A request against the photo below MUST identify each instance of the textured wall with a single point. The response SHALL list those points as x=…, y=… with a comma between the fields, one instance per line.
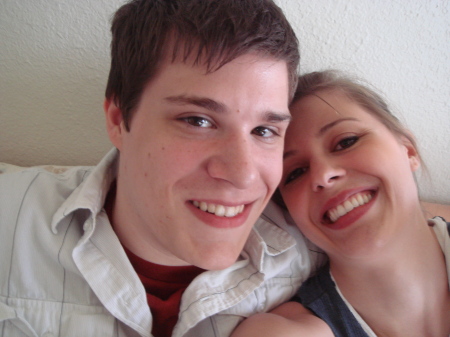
x=54, y=63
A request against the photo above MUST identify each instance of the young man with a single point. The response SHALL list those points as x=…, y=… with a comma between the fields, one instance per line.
x=158, y=238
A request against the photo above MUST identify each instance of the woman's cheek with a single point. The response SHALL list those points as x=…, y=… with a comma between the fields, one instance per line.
x=297, y=205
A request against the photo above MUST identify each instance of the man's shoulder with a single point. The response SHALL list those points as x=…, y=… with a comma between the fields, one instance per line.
x=40, y=183
x=309, y=256
x=29, y=198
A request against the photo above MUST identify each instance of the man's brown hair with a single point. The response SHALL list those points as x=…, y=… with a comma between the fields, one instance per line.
x=213, y=32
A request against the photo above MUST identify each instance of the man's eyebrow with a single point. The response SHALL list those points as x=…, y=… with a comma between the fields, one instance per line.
x=202, y=102
x=212, y=105
x=277, y=117
x=322, y=130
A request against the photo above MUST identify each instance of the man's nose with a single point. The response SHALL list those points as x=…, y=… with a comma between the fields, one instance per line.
x=235, y=161
x=325, y=174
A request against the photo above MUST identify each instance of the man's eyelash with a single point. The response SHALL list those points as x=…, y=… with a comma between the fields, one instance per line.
x=197, y=121
x=262, y=130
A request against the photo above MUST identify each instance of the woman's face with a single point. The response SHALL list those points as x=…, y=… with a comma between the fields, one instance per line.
x=347, y=180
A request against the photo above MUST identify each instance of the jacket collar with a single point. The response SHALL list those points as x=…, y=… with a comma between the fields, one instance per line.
x=91, y=193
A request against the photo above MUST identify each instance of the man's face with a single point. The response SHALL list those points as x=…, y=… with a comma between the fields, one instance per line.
x=201, y=160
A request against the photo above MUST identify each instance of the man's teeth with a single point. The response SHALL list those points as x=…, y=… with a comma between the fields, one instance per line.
x=219, y=210
x=350, y=204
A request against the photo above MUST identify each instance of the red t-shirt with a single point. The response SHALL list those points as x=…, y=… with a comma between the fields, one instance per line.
x=164, y=286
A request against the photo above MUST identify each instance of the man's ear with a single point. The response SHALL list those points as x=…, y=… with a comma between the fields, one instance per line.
x=114, y=122
x=413, y=154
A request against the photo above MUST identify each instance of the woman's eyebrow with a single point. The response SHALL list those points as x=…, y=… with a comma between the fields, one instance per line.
x=288, y=154
x=326, y=127
x=322, y=130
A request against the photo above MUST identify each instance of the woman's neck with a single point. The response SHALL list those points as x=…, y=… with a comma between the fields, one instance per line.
x=406, y=281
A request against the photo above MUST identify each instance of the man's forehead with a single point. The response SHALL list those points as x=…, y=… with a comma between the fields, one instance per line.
x=185, y=82
x=193, y=54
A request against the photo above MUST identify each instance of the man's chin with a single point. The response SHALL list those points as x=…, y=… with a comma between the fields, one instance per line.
x=217, y=260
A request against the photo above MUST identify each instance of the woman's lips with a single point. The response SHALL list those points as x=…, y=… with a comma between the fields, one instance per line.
x=347, y=205
x=354, y=201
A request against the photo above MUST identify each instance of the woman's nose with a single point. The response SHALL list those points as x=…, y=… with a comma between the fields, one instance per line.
x=325, y=174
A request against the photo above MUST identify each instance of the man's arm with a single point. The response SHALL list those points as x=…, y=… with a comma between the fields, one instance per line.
x=289, y=319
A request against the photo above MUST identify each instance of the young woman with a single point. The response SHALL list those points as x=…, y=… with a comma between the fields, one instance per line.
x=349, y=185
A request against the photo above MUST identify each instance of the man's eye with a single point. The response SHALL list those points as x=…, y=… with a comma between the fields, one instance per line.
x=198, y=121
x=265, y=132
x=346, y=143
x=295, y=174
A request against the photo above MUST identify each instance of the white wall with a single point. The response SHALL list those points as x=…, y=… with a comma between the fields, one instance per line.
x=54, y=61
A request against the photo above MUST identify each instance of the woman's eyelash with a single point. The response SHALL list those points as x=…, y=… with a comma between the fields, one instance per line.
x=341, y=145
x=346, y=143
x=295, y=174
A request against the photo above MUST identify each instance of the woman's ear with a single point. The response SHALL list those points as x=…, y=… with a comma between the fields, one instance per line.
x=413, y=154
x=114, y=122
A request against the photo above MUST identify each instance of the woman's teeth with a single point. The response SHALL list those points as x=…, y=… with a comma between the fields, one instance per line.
x=219, y=210
x=356, y=200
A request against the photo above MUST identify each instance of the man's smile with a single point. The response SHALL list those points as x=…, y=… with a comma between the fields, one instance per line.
x=219, y=210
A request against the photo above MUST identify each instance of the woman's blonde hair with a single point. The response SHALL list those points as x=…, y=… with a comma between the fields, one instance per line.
x=355, y=90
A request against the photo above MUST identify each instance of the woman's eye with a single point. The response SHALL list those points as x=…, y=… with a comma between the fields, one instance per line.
x=295, y=174
x=346, y=143
x=264, y=132
x=198, y=121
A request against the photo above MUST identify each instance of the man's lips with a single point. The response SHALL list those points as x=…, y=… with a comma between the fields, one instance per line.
x=218, y=209
x=219, y=215
x=352, y=202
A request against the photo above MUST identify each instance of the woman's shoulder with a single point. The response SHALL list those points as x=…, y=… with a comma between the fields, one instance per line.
x=317, y=285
